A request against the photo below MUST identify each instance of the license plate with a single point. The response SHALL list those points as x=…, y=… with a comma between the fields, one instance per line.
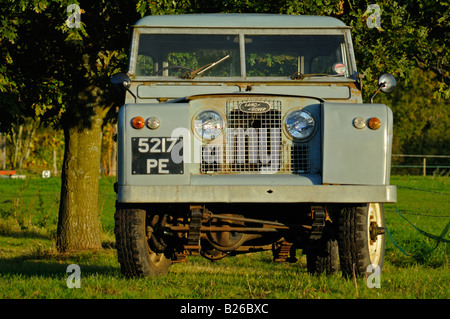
x=157, y=155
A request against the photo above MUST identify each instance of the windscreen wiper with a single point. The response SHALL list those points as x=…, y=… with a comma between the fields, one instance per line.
x=301, y=76
x=193, y=74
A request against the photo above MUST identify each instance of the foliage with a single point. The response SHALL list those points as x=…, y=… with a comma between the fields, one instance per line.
x=409, y=38
x=47, y=62
x=421, y=121
x=59, y=73
x=21, y=138
x=412, y=34
x=44, y=61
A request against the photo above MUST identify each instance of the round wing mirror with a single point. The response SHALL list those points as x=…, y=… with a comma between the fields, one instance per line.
x=387, y=83
x=120, y=81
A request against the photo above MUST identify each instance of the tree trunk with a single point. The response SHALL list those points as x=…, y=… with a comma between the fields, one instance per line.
x=113, y=157
x=55, y=164
x=78, y=222
x=3, y=150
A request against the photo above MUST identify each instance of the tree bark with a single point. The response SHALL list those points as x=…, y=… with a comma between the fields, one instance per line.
x=78, y=222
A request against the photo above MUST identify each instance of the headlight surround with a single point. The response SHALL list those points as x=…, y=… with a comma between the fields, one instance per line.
x=208, y=124
x=300, y=125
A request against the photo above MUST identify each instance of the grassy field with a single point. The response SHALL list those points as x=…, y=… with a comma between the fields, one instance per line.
x=31, y=268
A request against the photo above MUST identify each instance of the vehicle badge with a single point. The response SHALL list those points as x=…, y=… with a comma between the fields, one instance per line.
x=255, y=107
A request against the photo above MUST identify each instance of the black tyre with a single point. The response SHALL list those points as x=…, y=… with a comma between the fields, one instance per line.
x=361, y=238
x=324, y=260
x=323, y=256
x=140, y=245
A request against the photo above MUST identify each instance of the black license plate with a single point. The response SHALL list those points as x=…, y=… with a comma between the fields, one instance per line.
x=157, y=155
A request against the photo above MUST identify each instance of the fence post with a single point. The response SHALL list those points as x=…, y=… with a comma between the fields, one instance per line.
x=424, y=166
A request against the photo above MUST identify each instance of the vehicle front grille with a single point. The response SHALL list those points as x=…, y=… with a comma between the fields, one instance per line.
x=253, y=142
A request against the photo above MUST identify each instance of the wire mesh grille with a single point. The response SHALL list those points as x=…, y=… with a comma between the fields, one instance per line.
x=253, y=143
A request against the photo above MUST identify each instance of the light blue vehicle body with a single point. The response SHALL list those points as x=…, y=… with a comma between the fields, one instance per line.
x=344, y=164
x=246, y=132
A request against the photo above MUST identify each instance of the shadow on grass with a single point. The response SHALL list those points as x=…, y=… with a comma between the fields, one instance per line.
x=421, y=255
x=40, y=258
x=33, y=233
x=48, y=269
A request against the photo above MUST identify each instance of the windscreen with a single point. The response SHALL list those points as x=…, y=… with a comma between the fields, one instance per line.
x=189, y=56
x=179, y=55
x=294, y=56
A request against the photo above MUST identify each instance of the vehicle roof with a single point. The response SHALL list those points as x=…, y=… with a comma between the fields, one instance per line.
x=239, y=20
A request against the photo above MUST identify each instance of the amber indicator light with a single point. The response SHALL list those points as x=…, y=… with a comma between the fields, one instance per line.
x=374, y=123
x=138, y=122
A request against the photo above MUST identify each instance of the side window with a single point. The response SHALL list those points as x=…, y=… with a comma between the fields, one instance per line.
x=144, y=65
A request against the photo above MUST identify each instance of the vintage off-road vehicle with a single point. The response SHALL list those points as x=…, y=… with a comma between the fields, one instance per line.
x=247, y=132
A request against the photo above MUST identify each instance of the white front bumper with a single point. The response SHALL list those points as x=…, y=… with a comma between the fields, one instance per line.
x=257, y=194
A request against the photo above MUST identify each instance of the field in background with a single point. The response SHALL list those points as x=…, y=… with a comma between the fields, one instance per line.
x=416, y=266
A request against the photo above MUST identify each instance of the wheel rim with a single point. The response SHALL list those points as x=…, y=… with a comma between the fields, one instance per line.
x=375, y=225
x=157, y=257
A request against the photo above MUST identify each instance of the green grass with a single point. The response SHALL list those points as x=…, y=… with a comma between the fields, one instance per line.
x=31, y=268
x=425, y=202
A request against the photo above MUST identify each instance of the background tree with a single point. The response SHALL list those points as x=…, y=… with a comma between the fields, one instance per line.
x=421, y=120
x=60, y=75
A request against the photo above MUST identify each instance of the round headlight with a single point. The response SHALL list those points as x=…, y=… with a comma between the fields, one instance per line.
x=208, y=125
x=300, y=124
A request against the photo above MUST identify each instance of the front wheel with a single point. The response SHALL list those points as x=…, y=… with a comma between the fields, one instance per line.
x=361, y=238
x=322, y=254
x=141, y=248
x=323, y=258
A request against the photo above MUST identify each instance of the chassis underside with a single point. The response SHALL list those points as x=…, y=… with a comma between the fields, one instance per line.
x=216, y=230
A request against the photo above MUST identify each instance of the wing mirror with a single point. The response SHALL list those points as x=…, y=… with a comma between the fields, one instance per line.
x=121, y=82
x=386, y=84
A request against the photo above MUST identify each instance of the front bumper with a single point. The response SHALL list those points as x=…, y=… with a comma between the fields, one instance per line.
x=257, y=194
